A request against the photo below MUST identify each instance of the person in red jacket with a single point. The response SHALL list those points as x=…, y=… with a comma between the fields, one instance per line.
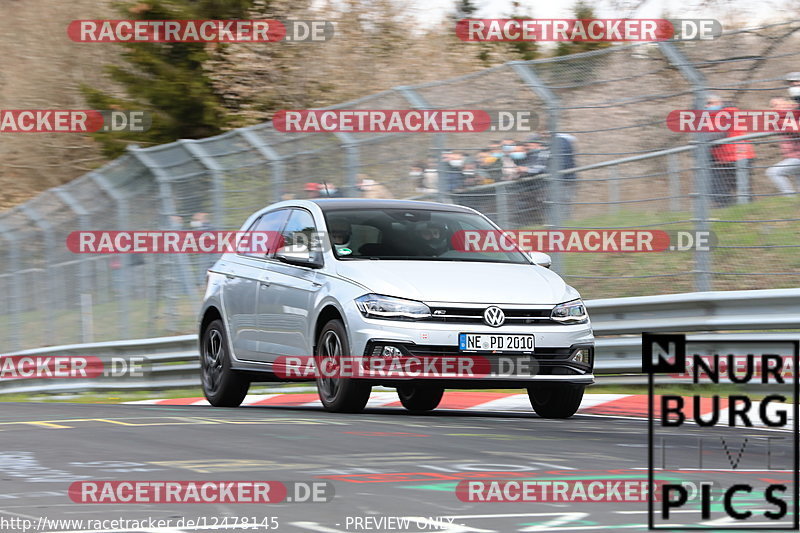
x=724, y=158
x=789, y=167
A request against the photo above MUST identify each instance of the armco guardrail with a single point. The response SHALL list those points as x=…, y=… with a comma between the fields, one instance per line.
x=698, y=311
x=171, y=362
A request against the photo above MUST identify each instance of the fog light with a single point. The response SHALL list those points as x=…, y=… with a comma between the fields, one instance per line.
x=582, y=356
x=383, y=350
x=391, y=351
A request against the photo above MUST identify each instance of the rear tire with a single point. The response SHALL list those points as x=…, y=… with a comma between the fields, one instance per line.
x=556, y=400
x=338, y=394
x=420, y=397
x=222, y=386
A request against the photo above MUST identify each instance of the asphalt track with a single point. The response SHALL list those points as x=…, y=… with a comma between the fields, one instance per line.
x=382, y=463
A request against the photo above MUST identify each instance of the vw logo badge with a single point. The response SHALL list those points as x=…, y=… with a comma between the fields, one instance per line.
x=494, y=316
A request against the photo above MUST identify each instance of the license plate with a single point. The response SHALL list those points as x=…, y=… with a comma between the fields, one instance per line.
x=494, y=342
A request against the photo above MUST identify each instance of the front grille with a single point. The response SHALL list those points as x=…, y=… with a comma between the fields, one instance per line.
x=474, y=315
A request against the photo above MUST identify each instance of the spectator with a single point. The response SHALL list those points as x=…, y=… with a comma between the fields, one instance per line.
x=723, y=171
x=489, y=166
x=372, y=189
x=510, y=168
x=313, y=189
x=453, y=171
x=531, y=192
x=535, y=157
x=200, y=222
x=328, y=190
x=423, y=178
x=724, y=158
x=789, y=167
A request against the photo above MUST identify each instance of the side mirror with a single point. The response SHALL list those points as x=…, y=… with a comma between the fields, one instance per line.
x=541, y=259
x=298, y=255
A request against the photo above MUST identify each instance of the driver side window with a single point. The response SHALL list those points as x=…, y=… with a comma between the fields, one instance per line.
x=272, y=223
x=300, y=231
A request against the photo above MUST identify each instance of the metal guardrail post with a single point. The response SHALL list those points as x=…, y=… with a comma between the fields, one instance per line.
x=15, y=305
x=353, y=163
x=82, y=213
x=123, y=222
x=50, y=282
x=531, y=80
x=702, y=157
x=275, y=160
x=417, y=101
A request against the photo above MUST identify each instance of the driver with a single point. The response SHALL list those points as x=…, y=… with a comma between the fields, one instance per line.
x=340, y=231
x=433, y=238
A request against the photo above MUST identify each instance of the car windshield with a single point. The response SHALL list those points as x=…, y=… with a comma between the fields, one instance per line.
x=418, y=234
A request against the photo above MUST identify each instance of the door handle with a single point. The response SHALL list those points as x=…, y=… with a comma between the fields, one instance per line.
x=264, y=283
x=230, y=276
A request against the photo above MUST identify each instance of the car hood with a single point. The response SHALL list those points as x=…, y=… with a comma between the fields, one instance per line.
x=463, y=282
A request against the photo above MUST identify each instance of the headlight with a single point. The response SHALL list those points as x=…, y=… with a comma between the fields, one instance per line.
x=570, y=313
x=377, y=306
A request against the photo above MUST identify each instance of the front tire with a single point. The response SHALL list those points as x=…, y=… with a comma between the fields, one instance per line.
x=420, y=397
x=556, y=400
x=338, y=394
x=222, y=386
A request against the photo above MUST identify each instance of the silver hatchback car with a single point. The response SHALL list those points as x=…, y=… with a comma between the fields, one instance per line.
x=385, y=280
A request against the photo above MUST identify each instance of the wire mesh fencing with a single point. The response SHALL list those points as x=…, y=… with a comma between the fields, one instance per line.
x=601, y=157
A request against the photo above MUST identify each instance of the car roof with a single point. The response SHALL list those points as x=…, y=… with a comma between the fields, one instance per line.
x=332, y=204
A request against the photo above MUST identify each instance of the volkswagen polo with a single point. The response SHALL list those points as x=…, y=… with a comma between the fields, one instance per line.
x=383, y=280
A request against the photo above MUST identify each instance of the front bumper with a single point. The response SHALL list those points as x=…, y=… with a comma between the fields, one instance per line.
x=551, y=361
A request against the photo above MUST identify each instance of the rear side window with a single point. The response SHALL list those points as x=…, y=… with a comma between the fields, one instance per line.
x=272, y=223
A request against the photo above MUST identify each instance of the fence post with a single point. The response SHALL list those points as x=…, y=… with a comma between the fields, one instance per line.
x=275, y=161
x=49, y=244
x=702, y=158
x=15, y=325
x=123, y=222
x=197, y=150
x=501, y=202
x=613, y=189
x=83, y=268
x=531, y=80
x=168, y=209
x=674, y=177
x=417, y=101
x=350, y=146
x=742, y=181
